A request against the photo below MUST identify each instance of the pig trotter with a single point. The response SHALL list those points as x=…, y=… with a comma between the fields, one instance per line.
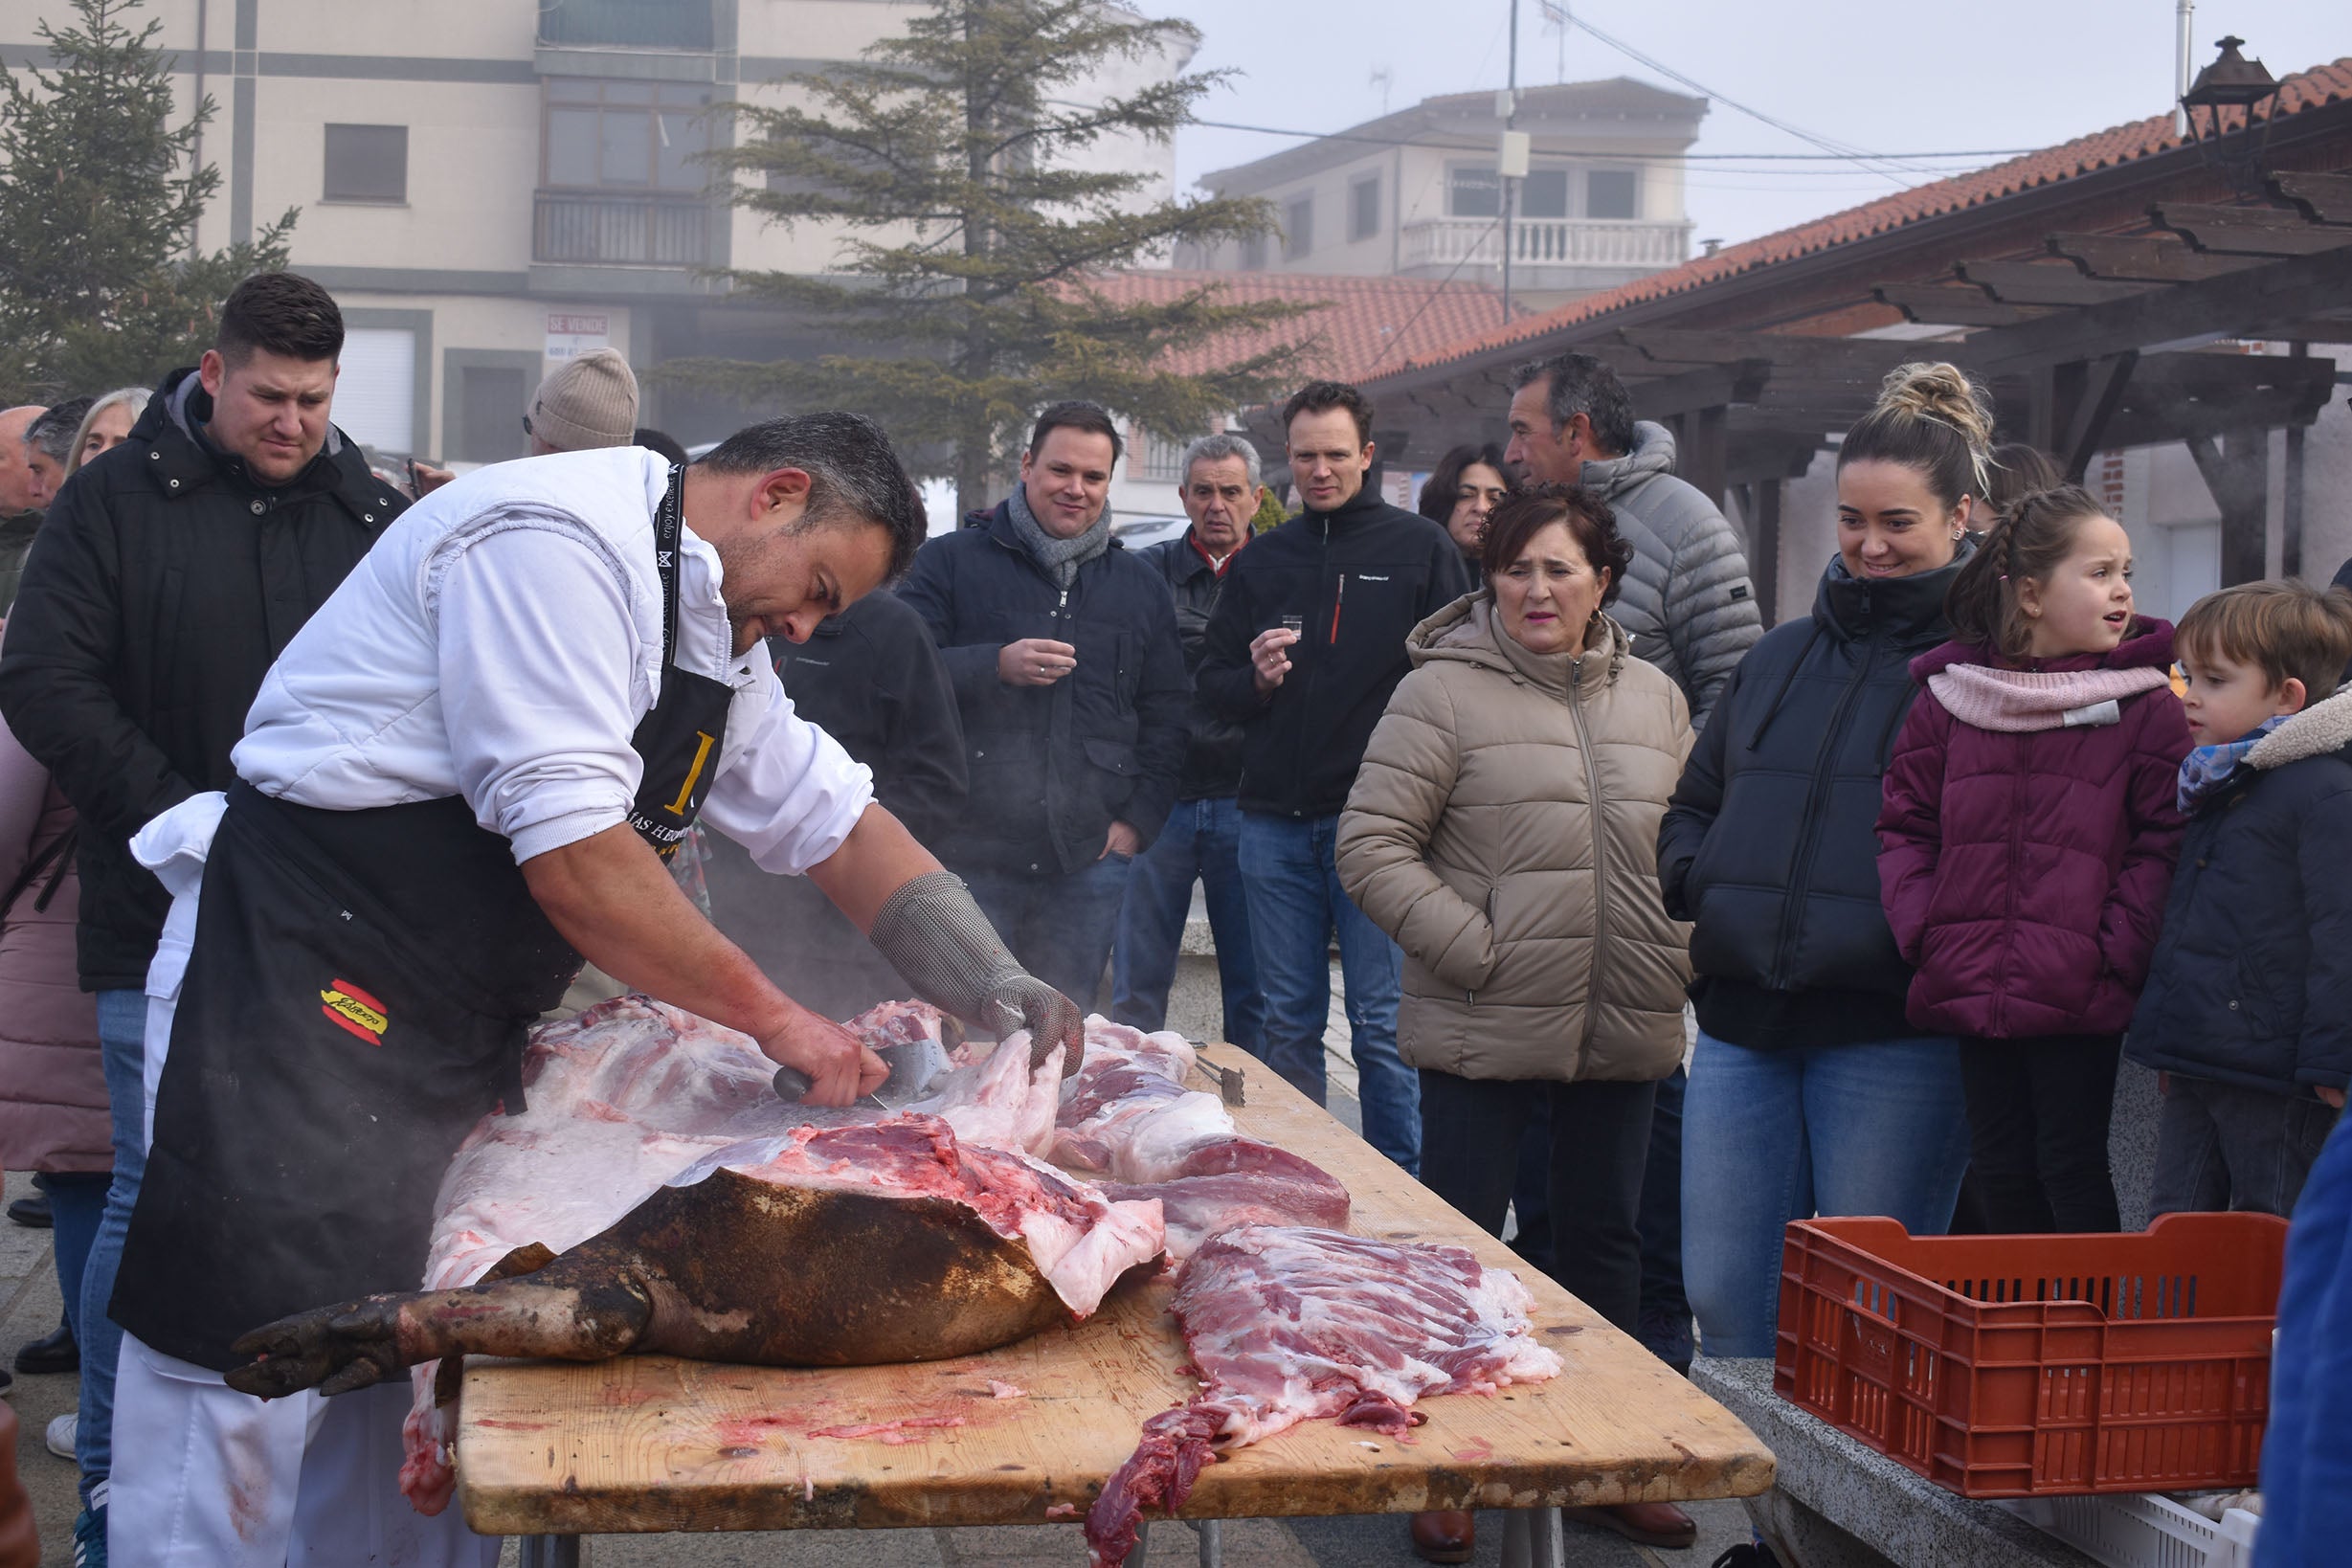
x=333, y=1348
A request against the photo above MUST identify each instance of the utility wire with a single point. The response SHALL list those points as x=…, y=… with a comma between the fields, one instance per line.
x=1618, y=153
x=1467, y=251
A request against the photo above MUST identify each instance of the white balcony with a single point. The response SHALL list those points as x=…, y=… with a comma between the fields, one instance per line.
x=1616, y=243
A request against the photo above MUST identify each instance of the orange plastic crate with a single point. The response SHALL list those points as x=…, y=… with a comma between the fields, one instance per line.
x=2019, y=1366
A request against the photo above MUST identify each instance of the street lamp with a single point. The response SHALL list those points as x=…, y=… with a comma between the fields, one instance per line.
x=2233, y=81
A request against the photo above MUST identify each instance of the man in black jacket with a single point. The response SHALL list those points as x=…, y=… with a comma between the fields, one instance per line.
x=1070, y=684
x=1201, y=841
x=871, y=678
x=168, y=575
x=1303, y=647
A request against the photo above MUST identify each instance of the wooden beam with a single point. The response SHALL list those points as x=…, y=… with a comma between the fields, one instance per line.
x=2043, y=283
x=2103, y=391
x=1712, y=386
x=2239, y=304
x=1936, y=305
x=2249, y=231
x=2143, y=259
x=2324, y=198
x=2237, y=471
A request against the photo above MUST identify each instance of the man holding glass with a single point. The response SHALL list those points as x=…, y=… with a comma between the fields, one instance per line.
x=1303, y=646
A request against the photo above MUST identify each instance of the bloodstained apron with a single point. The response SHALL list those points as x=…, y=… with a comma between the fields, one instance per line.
x=356, y=1000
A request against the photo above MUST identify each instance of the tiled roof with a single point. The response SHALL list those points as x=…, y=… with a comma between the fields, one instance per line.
x=1364, y=322
x=2311, y=89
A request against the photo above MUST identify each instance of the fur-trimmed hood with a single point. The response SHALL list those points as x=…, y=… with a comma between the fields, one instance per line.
x=2318, y=730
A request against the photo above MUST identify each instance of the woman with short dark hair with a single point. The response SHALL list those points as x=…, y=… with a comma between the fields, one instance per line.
x=1502, y=830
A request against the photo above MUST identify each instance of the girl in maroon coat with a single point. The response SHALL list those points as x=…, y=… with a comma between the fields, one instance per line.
x=2027, y=844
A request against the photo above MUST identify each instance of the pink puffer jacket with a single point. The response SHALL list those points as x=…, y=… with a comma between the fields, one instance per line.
x=2024, y=867
x=52, y=1081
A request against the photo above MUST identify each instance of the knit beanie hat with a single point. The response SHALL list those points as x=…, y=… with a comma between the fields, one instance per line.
x=586, y=402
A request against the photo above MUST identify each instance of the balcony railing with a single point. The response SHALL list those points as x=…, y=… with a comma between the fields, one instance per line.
x=1547, y=242
x=621, y=231
x=627, y=24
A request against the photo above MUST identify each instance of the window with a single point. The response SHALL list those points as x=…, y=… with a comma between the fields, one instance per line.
x=626, y=136
x=1545, y=193
x=1298, y=228
x=1253, y=254
x=1612, y=193
x=1364, y=209
x=367, y=163
x=1472, y=192
x=627, y=24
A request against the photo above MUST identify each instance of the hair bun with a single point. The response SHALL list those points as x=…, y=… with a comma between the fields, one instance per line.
x=1943, y=393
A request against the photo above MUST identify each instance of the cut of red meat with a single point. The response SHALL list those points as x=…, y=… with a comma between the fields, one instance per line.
x=1287, y=1324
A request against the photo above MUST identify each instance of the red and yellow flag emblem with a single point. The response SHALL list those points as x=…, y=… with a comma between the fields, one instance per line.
x=354, y=1009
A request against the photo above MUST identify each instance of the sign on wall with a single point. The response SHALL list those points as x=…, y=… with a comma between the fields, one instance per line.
x=571, y=335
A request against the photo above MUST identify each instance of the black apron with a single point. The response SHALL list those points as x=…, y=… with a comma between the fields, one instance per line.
x=356, y=1000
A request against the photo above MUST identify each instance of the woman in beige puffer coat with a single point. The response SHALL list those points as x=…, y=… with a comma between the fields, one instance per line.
x=1504, y=830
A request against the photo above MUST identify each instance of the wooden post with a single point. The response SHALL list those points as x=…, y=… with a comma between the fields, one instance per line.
x=1703, y=454
x=2291, y=508
x=2237, y=471
x=1765, y=550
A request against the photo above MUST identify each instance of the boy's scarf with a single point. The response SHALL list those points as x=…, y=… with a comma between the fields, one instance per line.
x=2207, y=769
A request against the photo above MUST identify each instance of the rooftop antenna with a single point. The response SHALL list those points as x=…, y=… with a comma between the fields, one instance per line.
x=1383, y=77
x=1555, y=17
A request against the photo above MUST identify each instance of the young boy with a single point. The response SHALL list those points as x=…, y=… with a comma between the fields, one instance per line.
x=2248, y=1010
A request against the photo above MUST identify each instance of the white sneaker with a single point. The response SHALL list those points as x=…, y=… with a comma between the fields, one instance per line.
x=62, y=1433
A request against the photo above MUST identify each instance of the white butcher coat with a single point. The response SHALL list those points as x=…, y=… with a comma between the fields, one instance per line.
x=501, y=641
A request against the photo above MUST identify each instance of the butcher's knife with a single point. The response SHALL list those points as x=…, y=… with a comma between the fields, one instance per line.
x=915, y=1071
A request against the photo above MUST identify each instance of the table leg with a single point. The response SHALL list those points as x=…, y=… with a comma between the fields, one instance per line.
x=1142, y=1548
x=1211, y=1543
x=1531, y=1538
x=550, y=1552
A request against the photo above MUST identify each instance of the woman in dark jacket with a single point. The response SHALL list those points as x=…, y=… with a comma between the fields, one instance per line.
x=1469, y=482
x=1809, y=1092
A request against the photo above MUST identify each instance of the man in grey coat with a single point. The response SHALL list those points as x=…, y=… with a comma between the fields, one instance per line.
x=1690, y=609
x=1686, y=600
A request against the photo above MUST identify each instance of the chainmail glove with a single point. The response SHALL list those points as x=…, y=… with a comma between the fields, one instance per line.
x=933, y=933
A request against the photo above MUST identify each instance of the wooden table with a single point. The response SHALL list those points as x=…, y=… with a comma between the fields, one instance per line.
x=657, y=1443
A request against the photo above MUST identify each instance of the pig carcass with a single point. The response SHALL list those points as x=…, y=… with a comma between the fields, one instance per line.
x=1289, y=1324
x=1126, y=1117
x=828, y=1246
x=619, y=1100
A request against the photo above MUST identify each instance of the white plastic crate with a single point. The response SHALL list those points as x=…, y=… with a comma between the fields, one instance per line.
x=2144, y=1530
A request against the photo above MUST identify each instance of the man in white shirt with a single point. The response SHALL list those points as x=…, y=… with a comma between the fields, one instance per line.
x=459, y=779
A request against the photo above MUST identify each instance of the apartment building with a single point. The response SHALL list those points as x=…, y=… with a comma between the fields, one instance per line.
x=1415, y=193
x=492, y=186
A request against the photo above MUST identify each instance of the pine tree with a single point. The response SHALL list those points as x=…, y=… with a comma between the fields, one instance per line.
x=99, y=286
x=973, y=240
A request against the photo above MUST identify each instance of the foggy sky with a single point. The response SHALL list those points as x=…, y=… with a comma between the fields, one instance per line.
x=1890, y=77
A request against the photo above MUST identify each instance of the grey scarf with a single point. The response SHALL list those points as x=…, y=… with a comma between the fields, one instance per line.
x=1059, y=558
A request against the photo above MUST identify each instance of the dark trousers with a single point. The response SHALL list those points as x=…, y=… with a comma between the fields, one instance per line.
x=1471, y=1130
x=2221, y=1147
x=2038, y=1111
x=1059, y=927
x=1666, y=1307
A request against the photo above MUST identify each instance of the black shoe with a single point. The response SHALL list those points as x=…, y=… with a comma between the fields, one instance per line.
x=56, y=1353
x=31, y=1211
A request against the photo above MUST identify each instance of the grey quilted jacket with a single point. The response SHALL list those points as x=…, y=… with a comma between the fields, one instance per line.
x=1687, y=601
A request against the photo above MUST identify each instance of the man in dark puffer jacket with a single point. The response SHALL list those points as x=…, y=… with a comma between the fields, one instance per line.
x=168, y=575
x=2248, y=1010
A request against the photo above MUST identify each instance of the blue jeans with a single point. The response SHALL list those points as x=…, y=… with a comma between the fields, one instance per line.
x=1296, y=906
x=77, y=1200
x=1059, y=927
x=1771, y=1137
x=1204, y=841
x=121, y=1032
